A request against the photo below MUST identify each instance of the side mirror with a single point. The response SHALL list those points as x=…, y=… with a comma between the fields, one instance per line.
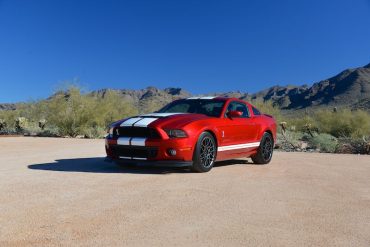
x=234, y=114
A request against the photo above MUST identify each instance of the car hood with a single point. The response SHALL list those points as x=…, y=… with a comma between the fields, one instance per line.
x=162, y=120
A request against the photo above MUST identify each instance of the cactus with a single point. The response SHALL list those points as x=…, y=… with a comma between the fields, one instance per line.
x=2, y=124
x=42, y=124
x=20, y=124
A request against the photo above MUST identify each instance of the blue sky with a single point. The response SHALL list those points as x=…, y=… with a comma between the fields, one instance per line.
x=200, y=45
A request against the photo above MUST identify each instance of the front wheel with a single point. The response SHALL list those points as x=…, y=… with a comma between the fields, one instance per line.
x=205, y=153
x=265, y=150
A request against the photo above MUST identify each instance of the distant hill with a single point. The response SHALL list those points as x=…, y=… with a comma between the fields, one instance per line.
x=147, y=99
x=7, y=107
x=350, y=88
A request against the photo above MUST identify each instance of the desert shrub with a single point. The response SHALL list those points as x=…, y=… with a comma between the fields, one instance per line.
x=94, y=132
x=325, y=142
x=354, y=145
x=289, y=141
x=300, y=123
x=343, y=123
x=69, y=112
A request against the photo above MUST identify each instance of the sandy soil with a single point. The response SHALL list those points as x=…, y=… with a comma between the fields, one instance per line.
x=60, y=192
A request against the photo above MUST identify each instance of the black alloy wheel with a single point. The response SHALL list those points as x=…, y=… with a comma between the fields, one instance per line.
x=204, y=153
x=265, y=150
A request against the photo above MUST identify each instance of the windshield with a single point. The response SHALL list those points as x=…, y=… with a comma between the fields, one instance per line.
x=209, y=107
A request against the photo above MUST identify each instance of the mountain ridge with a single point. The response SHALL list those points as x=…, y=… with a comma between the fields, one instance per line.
x=349, y=88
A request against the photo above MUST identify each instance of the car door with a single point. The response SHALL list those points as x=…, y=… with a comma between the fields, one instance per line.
x=241, y=131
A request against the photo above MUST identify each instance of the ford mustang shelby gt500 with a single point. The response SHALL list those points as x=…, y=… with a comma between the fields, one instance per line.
x=194, y=132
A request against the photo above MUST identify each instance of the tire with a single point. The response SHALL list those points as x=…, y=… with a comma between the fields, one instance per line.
x=205, y=153
x=265, y=150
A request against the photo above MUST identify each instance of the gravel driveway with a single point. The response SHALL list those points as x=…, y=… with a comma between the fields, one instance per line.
x=60, y=192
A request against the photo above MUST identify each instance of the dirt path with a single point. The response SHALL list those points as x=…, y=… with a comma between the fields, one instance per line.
x=60, y=192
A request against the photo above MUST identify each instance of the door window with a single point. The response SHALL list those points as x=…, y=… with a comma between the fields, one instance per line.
x=238, y=106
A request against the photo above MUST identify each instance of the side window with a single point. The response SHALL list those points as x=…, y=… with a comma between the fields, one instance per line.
x=238, y=106
x=255, y=111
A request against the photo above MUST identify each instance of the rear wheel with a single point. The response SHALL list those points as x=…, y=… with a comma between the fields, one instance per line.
x=265, y=150
x=204, y=153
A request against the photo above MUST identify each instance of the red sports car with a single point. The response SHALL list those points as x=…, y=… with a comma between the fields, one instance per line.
x=194, y=132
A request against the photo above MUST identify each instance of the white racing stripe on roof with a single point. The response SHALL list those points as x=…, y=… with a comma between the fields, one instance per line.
x=205, y=97
x=238, y=146
x=144, y=122
x=130, y=121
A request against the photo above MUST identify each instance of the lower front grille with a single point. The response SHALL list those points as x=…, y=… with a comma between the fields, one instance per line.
x=134, y=151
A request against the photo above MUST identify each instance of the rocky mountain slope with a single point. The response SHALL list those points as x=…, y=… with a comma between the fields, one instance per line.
x=350, y=88
x=7, y=107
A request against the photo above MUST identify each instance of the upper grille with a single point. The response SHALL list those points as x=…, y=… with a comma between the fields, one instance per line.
x=138, y=132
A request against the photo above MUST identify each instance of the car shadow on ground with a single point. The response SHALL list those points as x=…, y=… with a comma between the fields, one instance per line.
x=100, y=165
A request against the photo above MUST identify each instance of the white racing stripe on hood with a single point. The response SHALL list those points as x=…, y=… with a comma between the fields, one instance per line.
x=146, y=119
x=131, y=121
x=161, y=114
x=144, y=122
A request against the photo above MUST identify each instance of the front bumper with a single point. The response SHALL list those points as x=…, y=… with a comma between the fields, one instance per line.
x=151, y=150
x=153, y=163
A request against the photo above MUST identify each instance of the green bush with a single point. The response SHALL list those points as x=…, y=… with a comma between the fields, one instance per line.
x=325, y=142
x=69, y=113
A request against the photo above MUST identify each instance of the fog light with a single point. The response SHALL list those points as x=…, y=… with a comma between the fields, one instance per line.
x=171, y=152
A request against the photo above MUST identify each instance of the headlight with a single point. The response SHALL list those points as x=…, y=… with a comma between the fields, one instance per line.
x=176, y=133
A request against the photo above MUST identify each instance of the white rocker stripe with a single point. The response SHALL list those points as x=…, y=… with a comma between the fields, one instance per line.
x=138, y=141
x=123, y=140
x=144, y=122
x=238, y=146
x=131, y=121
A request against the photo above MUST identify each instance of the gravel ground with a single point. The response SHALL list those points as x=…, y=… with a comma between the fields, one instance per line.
x=60, y=192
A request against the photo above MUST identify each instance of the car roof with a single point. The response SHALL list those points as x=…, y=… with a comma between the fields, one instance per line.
x=215, y=97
